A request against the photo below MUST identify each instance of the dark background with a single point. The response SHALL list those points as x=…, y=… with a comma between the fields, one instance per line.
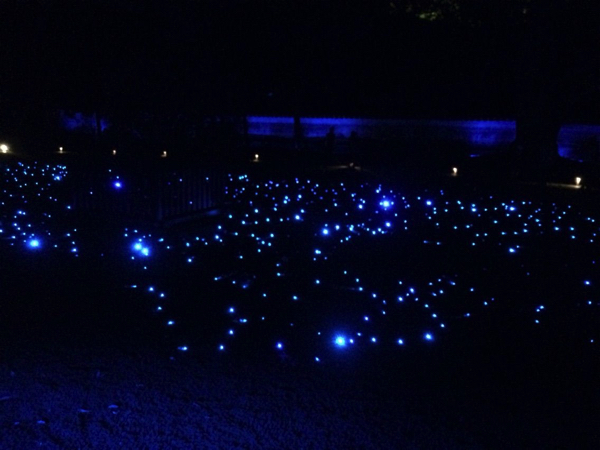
x=436, y=58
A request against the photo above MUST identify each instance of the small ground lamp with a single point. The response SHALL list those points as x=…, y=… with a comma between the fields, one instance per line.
x=163, y=154
x=455, y=171
x=114, y=152
x=256, y=157
x=60, y=149
x=577, y=181
x=3, y=148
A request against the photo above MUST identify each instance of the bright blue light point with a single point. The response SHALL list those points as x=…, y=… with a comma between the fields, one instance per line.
x=34, y=243
x=340, y=341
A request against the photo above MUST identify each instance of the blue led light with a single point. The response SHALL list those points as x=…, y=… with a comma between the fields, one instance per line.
x=261, y=223
x=340, y=341
x=34, y=243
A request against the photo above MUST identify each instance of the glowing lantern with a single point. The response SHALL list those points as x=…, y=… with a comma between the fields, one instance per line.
x=577, y=181
x=3, y=148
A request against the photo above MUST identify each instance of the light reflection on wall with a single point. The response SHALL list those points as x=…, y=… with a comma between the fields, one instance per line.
x=474, y=132
x=580, y=142
x=271, y=126
x=78, y=121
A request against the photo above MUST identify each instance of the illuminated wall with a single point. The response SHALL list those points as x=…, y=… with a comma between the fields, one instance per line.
x=580, y=142
x=574, y=141
x=478, y=133
x=78, y=121
x=271, y=126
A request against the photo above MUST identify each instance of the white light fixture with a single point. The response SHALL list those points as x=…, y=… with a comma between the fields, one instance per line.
x=3, y=148
x=256, y=157
x=114, y=152
x=455, y=171
x=577, y=181
x=164, y=154
x=60, y=149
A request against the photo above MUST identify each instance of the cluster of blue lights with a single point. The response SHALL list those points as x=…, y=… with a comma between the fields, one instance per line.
x=297, y=245
x=140, y=249
x=30, y=204
x=324, y=266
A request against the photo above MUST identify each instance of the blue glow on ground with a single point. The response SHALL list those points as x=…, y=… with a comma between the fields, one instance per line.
x=272, y=271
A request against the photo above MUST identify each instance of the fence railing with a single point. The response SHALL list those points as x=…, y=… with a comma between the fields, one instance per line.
x=157, y=197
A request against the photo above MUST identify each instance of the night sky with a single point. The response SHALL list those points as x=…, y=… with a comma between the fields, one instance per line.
x=353, y=58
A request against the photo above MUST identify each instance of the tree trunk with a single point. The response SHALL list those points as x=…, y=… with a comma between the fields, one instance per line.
x=542, y=90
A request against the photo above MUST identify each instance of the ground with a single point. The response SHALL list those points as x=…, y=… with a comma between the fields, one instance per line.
x=85, y=364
